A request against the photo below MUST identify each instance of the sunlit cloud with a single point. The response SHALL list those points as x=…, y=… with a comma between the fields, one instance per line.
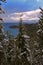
x=28, y=15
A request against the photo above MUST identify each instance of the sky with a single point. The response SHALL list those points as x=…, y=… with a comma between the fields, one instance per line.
x=29, y=9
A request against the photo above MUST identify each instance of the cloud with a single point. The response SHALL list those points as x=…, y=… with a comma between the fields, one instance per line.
x=28, y=15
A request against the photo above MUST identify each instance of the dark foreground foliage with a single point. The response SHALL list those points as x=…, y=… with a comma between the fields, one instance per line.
x=26, y=48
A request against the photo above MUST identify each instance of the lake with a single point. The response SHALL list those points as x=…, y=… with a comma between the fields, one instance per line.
x=12, y=31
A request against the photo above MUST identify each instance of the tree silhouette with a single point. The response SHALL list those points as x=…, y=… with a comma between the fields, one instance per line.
x=1, y=35
x=22, y=52
x=40, y=37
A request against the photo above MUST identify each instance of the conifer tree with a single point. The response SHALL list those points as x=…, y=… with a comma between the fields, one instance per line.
x=40, y=37
x=1, y=36
x=1, y=20
x=21, y=51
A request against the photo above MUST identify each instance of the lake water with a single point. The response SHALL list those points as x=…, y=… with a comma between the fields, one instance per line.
x=12, y=31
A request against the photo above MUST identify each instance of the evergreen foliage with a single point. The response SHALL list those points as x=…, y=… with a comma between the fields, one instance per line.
x=1, y=38
x=40, y=37
x=23, y=50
